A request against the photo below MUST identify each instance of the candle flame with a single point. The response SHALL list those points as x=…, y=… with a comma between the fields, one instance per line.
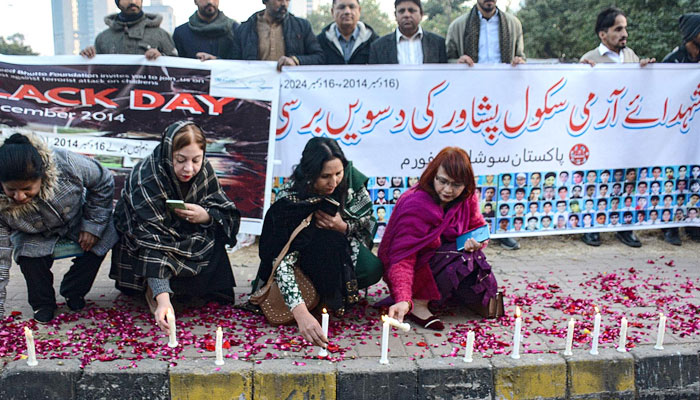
x=26, y=330
x=218, y=329
x=324, y=311
x=384, y=318
x=596, y=310
x=661, y=315
x=517, y=312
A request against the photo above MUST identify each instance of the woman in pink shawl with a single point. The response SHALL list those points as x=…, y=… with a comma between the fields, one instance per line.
x=426, y=222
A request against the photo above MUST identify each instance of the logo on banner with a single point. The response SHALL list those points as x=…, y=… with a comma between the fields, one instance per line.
x=579, y=154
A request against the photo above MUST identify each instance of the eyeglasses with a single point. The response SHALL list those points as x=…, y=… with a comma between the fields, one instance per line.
x=445, y=182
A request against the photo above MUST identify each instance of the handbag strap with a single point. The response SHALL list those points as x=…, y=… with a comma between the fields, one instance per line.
x=276, y=263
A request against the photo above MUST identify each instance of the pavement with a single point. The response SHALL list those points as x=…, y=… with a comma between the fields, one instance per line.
x=113, y=345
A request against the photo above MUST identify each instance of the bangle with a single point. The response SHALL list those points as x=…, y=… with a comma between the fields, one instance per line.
x=410, y=305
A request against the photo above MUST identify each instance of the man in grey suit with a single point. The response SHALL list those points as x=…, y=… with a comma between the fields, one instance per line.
x=410, y=44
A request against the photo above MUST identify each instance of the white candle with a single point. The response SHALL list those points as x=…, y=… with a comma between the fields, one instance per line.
x=385, y=344
x=596, y=332
x=469, y=351
x=622, y=345
x=570, y=338
x=171, y=326
x=31, y=351
x=516, y=335
x=660, y=334
x=404, y=326
x=324, y=326
x=219, y=347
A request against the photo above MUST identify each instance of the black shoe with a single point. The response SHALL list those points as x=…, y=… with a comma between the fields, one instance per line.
x=44, y=315
x=591, y=239
x=509, y=243
x=693, y=232
x=628, y=238
x=672, y=235
x=76, y=303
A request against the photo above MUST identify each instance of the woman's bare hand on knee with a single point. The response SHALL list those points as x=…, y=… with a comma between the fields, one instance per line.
x=309, y=327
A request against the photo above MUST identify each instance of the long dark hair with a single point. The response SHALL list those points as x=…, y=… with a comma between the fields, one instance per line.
x=316, y=153
x=20, y=160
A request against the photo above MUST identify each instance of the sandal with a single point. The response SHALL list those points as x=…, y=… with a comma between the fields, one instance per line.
x=432, y=322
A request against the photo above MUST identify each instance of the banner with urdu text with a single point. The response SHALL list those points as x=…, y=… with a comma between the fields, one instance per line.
x=115, y=108
x=556, y=148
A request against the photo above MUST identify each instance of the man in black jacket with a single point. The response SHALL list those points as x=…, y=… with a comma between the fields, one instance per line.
x=347, y=40
x=207, y=35
x=274, y=34
x=409, y=44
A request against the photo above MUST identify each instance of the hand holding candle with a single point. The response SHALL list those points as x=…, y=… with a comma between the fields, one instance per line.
x=171, y=327
x=219, y=347
x=622, y=345
x=404, y=326
x=596, y=332
x=324, y=327
x=570, y=338
x=31, y=350
x=516, y=334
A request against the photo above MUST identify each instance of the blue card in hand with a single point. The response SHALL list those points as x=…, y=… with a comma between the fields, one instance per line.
x=479, y=234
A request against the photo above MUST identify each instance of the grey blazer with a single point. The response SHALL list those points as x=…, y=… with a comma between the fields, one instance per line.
x=383, y=50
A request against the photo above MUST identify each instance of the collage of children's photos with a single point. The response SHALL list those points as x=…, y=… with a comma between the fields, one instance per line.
x=567, y=200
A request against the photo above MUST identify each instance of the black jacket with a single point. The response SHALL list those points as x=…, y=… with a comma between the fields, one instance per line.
x=218, y=43
x=383, y=50
x=334, y=55
x=299, y=40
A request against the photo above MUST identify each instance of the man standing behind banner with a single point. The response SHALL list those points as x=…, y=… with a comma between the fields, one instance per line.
x=274, y=34
x=486, y=35
x=207, y=35
x=611, y=28
x=347, y=40
x=409, y=44
x=132, y=32
x=688, y=52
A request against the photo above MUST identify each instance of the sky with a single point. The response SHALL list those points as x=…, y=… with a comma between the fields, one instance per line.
x=39, y=32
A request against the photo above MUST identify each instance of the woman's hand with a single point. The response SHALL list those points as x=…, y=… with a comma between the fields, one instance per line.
x=194, y=214
x=161, y=312
x=309, y=327
x=86, y=240
x=334, y=223
x=399, y=310
x=471, y=245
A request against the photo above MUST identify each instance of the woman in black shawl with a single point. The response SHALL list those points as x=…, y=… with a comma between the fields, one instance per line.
x=165, y=250
x=334, y=251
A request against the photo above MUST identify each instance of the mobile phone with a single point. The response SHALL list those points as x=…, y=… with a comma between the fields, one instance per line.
x=329, y=206
x=175, y=204
x=479, y=234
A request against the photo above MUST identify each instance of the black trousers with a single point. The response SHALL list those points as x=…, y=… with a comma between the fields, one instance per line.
x=76, y=283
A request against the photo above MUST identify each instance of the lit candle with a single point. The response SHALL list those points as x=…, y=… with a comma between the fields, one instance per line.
x=516, y=335
x=660, y=334
x=219, y=347
x=385, y=343
x=469, y=351
x=171, y=326
x=622, y=345
x=324, y=326
x=570, y=338
x=404, y=326
x=31, y=351
x=596, y=332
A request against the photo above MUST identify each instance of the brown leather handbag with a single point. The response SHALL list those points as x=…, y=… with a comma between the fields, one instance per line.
x=269, y=297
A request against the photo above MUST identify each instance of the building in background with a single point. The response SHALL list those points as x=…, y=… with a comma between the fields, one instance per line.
x=157, y=7
x=76, y=23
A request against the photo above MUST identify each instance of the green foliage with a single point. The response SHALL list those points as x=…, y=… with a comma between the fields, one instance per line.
x=440, y=13
x=564, y=29
x=371, y=15
x=14, y=45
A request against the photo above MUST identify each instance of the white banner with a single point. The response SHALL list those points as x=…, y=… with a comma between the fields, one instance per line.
x=556, y=125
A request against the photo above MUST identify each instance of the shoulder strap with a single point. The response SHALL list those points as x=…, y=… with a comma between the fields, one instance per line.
x=303, y=224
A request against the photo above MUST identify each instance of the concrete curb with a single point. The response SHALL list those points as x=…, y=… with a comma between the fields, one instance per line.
x=643, y=373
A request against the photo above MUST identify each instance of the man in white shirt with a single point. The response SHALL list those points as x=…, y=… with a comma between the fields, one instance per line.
x=486, y=35
x=409, y=44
